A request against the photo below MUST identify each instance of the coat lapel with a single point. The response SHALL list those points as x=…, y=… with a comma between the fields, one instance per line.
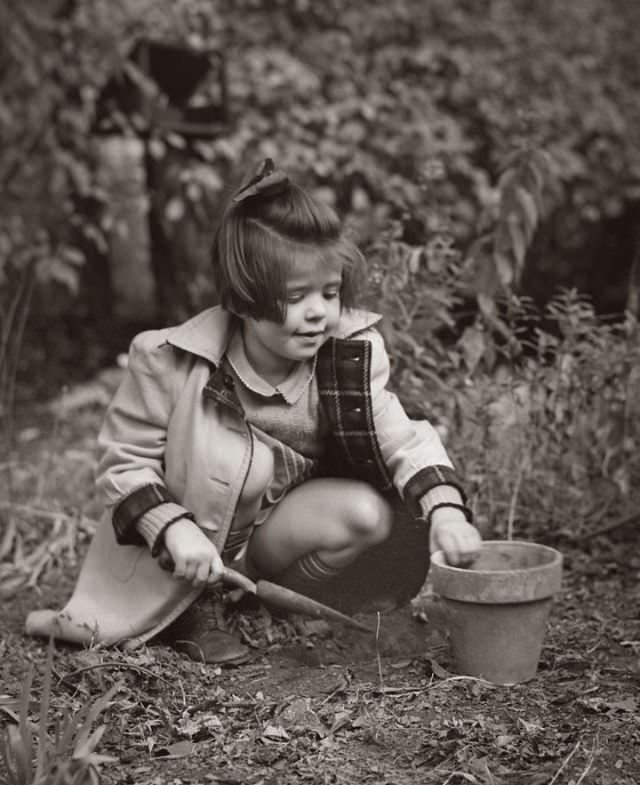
x=344, y=373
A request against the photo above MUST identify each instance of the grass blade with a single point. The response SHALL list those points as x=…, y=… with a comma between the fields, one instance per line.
x=45, y=700
x=7, y=757
x=21, y=745
x=94, y=712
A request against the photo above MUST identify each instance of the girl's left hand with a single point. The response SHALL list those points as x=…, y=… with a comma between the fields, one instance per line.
x=453, y=534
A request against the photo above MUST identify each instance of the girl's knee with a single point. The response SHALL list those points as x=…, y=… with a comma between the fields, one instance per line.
x=369, y=515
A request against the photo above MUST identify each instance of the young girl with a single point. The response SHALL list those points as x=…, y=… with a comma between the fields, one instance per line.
x=261, y=432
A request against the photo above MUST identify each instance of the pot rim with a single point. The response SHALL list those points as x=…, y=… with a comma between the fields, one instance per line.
x=438, y=559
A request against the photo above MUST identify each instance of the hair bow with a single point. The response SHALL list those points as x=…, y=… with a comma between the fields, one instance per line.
x=267, y=181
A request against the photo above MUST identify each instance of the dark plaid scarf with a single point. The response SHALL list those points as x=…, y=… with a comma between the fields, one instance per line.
x=344, y=374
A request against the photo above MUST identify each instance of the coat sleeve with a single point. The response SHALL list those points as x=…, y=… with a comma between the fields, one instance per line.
x=411, y=449
x=132, y=440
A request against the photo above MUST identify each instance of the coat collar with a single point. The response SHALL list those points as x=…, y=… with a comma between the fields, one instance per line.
x=207, y=334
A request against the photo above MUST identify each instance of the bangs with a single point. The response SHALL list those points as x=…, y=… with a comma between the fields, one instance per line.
x=263, y=261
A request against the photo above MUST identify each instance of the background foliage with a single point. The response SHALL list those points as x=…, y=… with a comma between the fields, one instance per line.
x=484, y=154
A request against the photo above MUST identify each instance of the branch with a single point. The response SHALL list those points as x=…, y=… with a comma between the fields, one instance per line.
x=633, y=295
x=125, y=665
x=611, y=526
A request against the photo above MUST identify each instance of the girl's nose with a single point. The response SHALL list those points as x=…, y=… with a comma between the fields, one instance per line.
x=315, y=308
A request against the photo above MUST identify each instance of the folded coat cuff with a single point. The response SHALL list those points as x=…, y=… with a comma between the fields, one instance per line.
x=154, y=523
x=441, y=494
x=438, y=480
x=129, y=510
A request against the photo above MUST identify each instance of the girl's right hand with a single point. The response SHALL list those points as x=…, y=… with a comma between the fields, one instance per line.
x=196, y=558
x=453, y=534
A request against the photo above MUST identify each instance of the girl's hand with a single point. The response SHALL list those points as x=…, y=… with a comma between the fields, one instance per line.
x=453, y=534
x=195, y=557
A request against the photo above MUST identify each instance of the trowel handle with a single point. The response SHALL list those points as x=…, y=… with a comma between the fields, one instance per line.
x=228, y=575
x=165, y=561
x=239, y=579
x=277, y=595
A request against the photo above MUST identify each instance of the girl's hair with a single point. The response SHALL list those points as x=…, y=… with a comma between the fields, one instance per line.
x=264, y=231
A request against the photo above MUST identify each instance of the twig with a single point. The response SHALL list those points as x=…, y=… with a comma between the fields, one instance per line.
x=611, y=526
x=46, y=470
x=211, y=703
x=600, y=508
x=633, y=297
x=565, y=762
x=399, y=690
x=7, y=322
x=420, y=690
x=587, y=769
x=463, y=678
x=379, y=660
x=8, y=539
x=69, y=685
x=128, y=665
x=50, y=515
x=182, y=692
x=11, y=363
x=39, y=567
x=514, y=500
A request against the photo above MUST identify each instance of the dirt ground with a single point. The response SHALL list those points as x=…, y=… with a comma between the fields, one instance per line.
x=316, y=703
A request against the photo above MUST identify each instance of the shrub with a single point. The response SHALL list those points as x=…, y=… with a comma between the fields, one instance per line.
x=550, y=440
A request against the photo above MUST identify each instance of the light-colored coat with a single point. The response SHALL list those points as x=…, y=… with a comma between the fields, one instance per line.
x=160, y=429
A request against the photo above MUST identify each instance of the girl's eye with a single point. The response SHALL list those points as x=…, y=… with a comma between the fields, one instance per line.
x=294, y=298
x=331, y=294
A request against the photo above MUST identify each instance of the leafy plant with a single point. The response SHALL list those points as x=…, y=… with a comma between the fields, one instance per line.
x=495, y=262
x=552, y=439
x=25, y=261
x=67, y=756
x=416, y=288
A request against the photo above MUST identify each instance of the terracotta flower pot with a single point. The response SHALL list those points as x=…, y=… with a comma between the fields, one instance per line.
x=497, y=608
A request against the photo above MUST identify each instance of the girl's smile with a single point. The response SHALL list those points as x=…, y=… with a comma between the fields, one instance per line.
x=313, y=310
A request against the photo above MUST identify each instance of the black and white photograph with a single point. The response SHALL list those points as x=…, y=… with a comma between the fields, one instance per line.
x=319, y=392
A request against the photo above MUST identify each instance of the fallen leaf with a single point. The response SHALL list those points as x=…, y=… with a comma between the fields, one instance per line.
x=625, y=705
x=400, y=664
x=340, y=719
x=12, y=586
x=299, y=715
x=465, y=776
x=192, y=726
x=274, y=733
x=181, y=749
x=529, y=727
x=439, y=671
x=318, y=627
x=484, y=775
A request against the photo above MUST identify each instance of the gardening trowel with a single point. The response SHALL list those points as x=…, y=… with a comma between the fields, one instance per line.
x=280, y=596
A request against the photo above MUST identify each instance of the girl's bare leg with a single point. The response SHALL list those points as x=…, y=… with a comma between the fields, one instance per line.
x=337, y=519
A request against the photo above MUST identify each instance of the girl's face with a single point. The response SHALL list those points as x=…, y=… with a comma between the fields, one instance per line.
x=313, y=310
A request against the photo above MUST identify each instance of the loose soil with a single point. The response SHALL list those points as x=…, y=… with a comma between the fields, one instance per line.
x=317, y=703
